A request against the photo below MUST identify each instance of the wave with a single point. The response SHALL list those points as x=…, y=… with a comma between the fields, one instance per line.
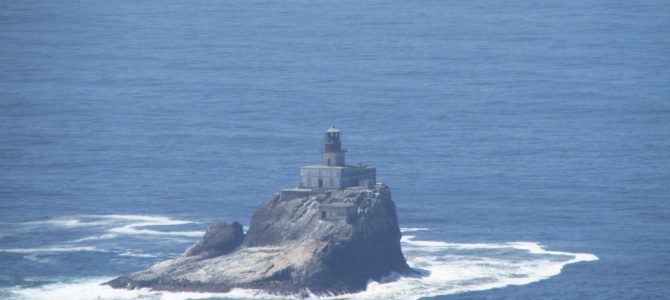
x=445, y=268
x=100, y=237
x=133, y=229
x=114, y=225
x=52, y=249
x=136, y=254
x=451, y=268
x=140, y=221
x=91, y=289
x=412, y=229
x=536, y=248
x=66, y=222
x=34, y=252
x=103, y=227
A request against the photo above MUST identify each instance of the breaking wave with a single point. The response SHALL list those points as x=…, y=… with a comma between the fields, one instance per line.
x=445, y=268
x=90, y=289
x=136, y=228
x=113, y=225
x=101, y=228
x=451, y=268
x=53, y=249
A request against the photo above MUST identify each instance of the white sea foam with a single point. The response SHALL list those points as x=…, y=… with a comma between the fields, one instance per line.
x=52, y=249
x=136, y=254
x=37, y=254
x=158, y=220
x=536, y=248
x=107, y=236
x=136, y=227
x=67, y=222
x=412, y=229
x=133, y=229
x=91, y=289
x=116, y=225
x=444, y=268
x=451, y=268
x=105, y=227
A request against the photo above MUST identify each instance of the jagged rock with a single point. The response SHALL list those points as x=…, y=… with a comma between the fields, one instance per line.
x=291, y=247
x=220, y=238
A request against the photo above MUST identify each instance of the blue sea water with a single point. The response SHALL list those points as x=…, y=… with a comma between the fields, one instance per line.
x=527, y=144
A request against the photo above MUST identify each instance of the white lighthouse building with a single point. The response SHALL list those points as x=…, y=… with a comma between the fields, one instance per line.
x=333, y=173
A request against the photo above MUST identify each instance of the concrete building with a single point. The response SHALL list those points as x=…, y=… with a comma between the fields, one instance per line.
x=333, y=173
x=338, y=211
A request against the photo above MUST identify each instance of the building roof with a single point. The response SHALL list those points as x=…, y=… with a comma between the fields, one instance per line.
x=324, y=167
x=296, y=190
x=332, y=128
x=336, y=167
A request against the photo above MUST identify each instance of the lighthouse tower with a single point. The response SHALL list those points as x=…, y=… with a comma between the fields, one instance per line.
x=332, y=153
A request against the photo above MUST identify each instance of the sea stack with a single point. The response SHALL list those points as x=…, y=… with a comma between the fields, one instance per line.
x=331, y=234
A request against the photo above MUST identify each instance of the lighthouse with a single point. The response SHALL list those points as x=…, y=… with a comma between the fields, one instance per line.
x=333, y=172
x=332, y=153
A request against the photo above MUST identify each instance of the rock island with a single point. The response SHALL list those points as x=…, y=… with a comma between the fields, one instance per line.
x=331, y=234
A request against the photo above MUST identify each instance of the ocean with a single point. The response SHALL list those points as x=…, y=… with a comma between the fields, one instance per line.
x=526, y=144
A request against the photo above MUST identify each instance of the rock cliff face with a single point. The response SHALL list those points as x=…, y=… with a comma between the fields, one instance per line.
x=291, y=247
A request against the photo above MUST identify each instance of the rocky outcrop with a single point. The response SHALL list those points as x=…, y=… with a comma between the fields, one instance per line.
x=291, y=247
x=219, y=239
